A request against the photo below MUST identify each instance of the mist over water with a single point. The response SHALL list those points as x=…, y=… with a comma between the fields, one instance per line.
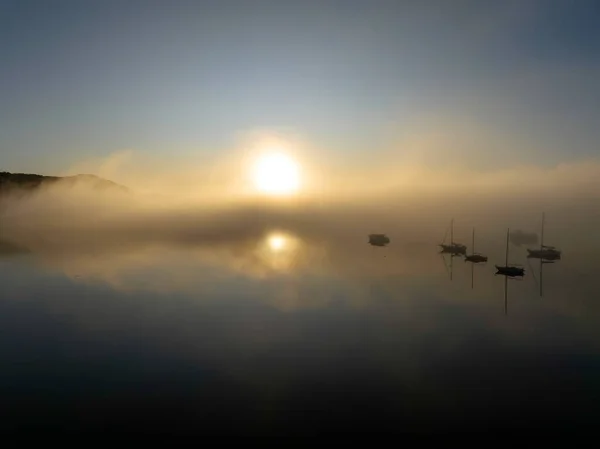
x=274, y=316
x=187, y=191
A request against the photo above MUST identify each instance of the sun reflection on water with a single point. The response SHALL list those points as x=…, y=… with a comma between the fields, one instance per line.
x=280, y=251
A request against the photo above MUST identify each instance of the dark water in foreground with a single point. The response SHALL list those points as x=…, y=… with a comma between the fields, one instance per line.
x=169, y=344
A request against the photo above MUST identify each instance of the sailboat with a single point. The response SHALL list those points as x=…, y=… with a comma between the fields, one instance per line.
x=545, y=251
x=475, y=257
x=509, y=270
x=453, y=248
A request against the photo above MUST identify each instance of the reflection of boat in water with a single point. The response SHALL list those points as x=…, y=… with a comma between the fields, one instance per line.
x=449, y=267
x=509, y=270
x=541, y=280
x=378, y=240
x=542, y=263
x=545, y=251
x=474, y=258
x=453, y=247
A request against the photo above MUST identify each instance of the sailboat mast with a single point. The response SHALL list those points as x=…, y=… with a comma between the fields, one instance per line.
x=507, y=236
x=542, y=236
x=452, y=231
x=473, y=242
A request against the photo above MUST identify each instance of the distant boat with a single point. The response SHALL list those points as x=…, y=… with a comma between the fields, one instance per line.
x=546, y=255
x=509, y=270
x=454, y=247
x=475, y=257
x=544, y=252
x=378, y=240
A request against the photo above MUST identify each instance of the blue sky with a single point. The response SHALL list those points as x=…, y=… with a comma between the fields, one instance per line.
x=83, y=78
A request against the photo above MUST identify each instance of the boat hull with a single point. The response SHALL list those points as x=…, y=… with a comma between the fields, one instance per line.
x=476, y=258
x=379, y=240
x=510, y=271
x=544, y=254
x=454, y=249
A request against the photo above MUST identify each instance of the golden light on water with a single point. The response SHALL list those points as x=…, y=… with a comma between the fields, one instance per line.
x=276, y=173
x=280, y=251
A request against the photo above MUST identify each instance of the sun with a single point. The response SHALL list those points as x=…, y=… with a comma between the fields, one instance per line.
x=276, y=242
x=276, y=174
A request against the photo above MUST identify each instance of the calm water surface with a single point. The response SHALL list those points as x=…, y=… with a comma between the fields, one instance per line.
x=166, y=339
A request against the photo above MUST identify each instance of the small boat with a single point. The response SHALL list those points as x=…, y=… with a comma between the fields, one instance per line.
x=378, y=240
x=475, y=257
x=454, y=247
x=544, y=252
x=509, y=270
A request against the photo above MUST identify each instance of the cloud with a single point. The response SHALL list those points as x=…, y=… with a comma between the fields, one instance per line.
x=518, y=238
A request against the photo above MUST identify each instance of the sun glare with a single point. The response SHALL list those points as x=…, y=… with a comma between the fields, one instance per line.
x=276, y=242
x=276, y=174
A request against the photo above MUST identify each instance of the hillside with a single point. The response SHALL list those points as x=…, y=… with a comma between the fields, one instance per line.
x=28, y=181
x=25, y=183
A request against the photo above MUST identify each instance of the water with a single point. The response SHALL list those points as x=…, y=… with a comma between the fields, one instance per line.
x=288, y=335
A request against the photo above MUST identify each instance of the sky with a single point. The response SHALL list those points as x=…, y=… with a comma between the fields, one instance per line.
x=480, y=84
